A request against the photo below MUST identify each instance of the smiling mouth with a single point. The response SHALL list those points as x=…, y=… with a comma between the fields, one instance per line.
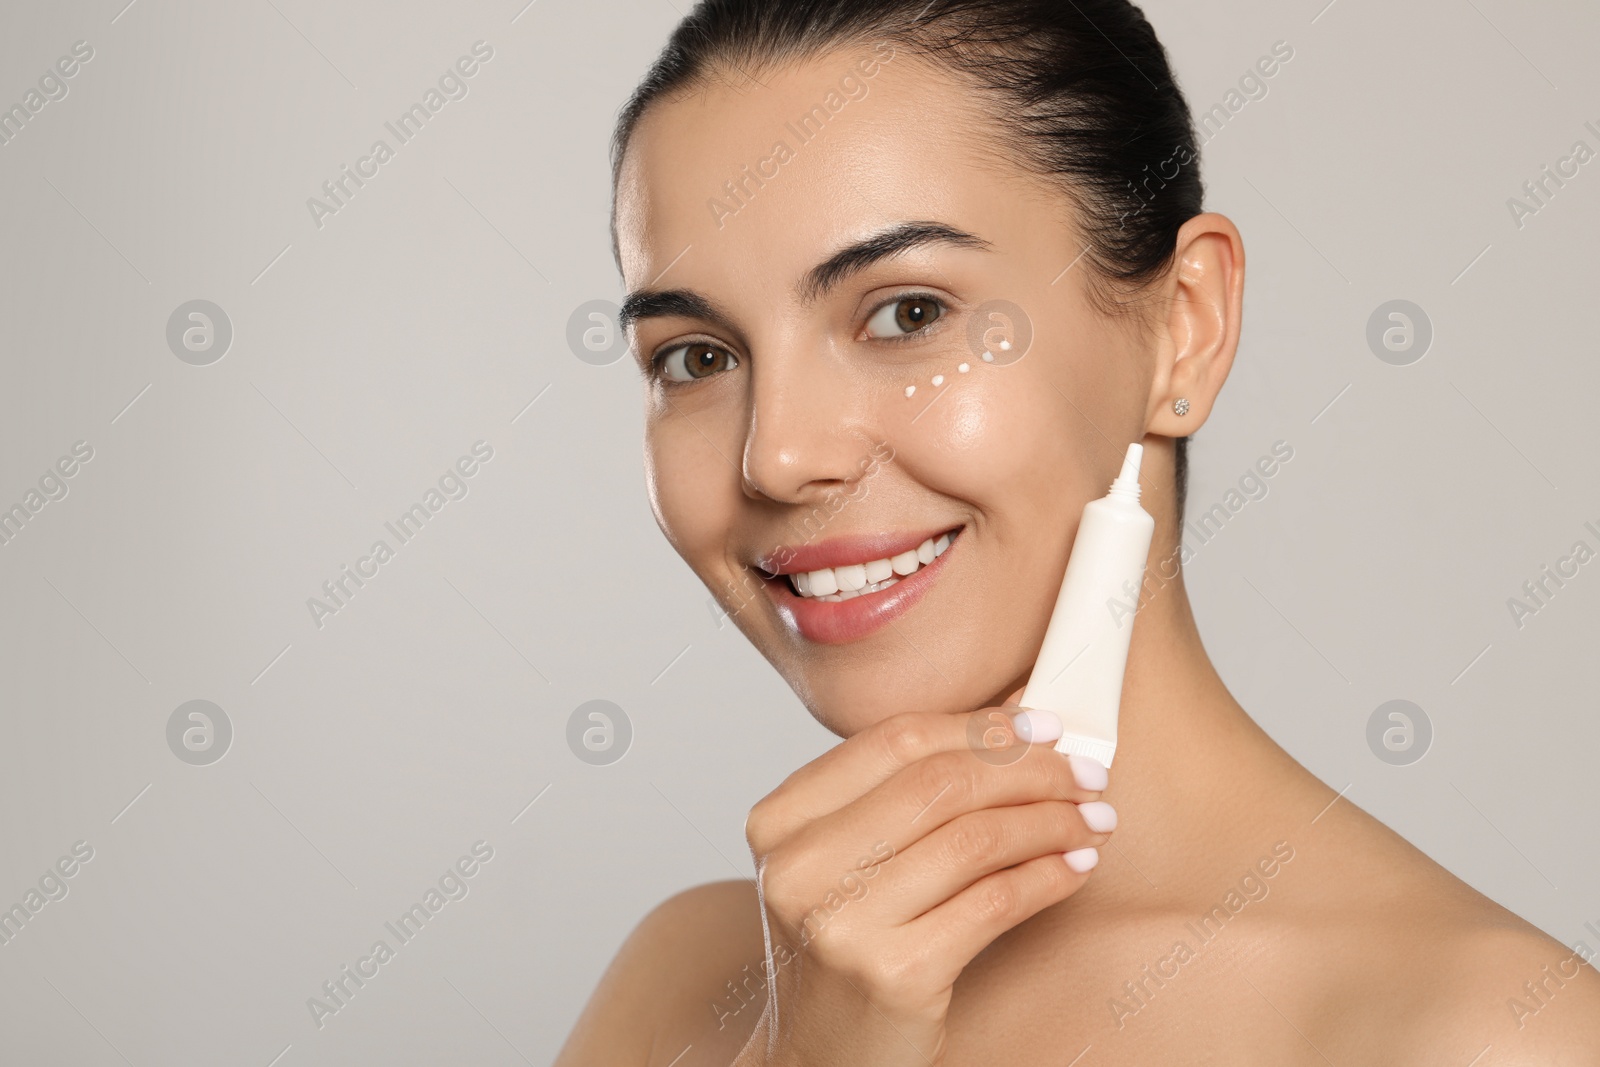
x=847, y=582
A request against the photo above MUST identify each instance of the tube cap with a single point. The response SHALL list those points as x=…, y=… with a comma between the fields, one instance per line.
x=1094, y=748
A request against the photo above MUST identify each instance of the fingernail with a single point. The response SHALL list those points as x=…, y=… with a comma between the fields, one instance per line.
x=1098, y=816
x=1090, y=772
x=1036, y=725
x=1082, y=860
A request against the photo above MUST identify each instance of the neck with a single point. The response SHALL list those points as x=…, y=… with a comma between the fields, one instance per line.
x=1190, y=767
x=1199, y=788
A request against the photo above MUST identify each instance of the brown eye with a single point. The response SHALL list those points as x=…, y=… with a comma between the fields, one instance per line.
x=691, y=362
x=907, y=315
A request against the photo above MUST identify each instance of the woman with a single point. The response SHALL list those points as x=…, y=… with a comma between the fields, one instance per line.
x=905, y=280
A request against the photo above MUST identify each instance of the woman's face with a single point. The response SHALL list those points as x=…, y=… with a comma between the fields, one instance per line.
x=820, y=398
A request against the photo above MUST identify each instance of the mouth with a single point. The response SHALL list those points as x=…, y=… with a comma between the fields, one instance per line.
x=844, y=590
x=835, y=584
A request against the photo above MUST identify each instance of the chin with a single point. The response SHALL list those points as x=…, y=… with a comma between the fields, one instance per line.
x=846, y=704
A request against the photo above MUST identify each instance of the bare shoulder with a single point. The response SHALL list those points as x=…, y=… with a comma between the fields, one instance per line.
x=1437, y=972
x=1449, y=976
x=670, y=977
x=1522, y=996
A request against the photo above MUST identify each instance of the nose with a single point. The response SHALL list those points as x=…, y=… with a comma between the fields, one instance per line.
x=808, y=434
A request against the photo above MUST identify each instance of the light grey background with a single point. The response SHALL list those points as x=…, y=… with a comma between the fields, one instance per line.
x=372, y=352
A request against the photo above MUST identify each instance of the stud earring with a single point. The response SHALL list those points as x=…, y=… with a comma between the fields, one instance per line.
x=1180, y=406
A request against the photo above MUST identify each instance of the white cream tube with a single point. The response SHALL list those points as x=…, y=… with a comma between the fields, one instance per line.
x=1078, y=674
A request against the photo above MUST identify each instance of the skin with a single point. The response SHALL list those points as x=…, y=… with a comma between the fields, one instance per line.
x=1356, y=925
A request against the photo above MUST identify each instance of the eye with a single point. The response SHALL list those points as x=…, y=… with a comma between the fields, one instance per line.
x=904, y=316
x=693, y=361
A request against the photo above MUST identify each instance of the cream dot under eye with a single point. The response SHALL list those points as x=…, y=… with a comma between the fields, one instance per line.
x=910, y=389
x=938, y=379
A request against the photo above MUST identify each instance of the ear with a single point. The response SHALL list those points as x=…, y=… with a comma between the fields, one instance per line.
x=1205, y=304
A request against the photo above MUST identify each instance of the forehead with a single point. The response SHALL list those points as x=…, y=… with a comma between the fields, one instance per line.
x=746, y=182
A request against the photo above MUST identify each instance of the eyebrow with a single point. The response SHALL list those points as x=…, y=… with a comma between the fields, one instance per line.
x=816, y=283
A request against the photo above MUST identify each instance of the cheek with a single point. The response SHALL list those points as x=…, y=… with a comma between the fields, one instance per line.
x=990, y=439
x=693, y=492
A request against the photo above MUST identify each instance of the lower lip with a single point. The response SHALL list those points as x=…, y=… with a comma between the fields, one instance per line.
x=838, y=622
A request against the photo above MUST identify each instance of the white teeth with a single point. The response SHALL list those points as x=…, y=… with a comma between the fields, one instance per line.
x=852, y=578
x=858, y=579
x=850, y=594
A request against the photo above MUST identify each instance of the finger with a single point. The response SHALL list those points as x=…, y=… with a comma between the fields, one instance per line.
x=973, y=846
x=925, y=796
x=965, y=925
x=860, y=764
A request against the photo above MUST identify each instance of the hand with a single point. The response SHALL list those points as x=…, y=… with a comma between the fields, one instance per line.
x=889, y=862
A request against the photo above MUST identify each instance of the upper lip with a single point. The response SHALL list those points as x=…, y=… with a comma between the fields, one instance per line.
x=845, y=550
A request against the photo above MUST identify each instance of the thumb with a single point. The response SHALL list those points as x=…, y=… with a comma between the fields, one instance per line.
x=1015, y=698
